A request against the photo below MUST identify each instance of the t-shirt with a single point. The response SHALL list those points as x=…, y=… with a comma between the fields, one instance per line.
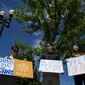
x=9, y=57
x=79, y=54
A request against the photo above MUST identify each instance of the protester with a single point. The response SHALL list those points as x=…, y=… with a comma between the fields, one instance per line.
x=76, y=51
x=6, y=79
x=50, y=78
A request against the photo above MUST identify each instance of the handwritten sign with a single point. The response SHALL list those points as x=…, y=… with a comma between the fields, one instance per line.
x=76, y=65
x=52, y=66
x=23, y=68
x=6, y=66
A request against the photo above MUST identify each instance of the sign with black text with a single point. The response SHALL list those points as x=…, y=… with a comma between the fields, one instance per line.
x=76, y=65
x=53, y=66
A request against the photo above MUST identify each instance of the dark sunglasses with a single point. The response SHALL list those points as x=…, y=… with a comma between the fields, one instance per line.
x=15, y=51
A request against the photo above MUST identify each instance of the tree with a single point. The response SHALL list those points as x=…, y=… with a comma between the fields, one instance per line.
x=45, y=15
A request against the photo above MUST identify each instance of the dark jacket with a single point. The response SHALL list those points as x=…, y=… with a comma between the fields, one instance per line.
x=50, y=56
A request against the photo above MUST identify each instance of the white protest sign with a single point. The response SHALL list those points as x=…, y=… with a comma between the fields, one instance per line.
x=52, y=66
x=76, y=65
x=6, y=66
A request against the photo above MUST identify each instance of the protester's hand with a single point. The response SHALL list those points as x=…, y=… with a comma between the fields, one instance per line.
x=66, y=61
x=39, y=70
x=62, y=73
x=22, y=77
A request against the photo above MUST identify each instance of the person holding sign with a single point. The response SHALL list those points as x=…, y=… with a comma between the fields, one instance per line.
x=76, y=51
x=5, y=79
x=50, y=78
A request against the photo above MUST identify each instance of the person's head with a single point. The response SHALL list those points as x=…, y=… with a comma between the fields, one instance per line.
x=14, y=50
x=76, y=48
x=49, y=47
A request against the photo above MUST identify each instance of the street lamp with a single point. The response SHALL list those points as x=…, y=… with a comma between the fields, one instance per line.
x=5, y=21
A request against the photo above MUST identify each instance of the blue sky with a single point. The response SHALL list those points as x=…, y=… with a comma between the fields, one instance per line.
x=14, y=33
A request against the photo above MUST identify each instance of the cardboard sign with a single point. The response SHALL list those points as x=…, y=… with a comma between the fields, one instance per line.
x=16, y=67
x=76, y=65
x=23, y=68
x=6, y=66
x=52, y=66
